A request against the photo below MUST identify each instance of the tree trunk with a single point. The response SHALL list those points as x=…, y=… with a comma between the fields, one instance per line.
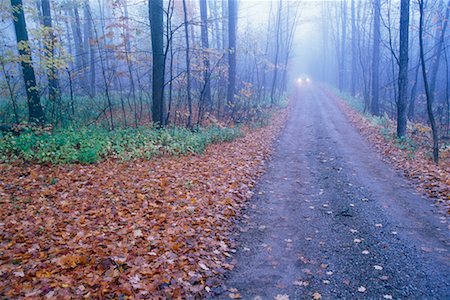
x=188, y=65
x=374, y=105
x=277, y=46
x=403, y=69
x=35, y=111
x=343, y=47
x=438, y=49
x=354, y=48
x=156, y=15
x=206, y=99
x=232, y=24
x=89, y=45
x=52, y=76
x=428, y=93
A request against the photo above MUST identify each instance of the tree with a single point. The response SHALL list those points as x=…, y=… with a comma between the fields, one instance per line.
x=188, y=64
x=206, y=95
x=232, y=24
x=354, y=49
x=89, y=45
x=49, y=48
x=428, y=93
x=374, y=104
x=341, y=61
x=277, y=49
x=156, y=16
x=403, y=69
x=35, y=111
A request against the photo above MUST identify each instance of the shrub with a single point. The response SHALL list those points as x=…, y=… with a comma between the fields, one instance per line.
x=91, y=145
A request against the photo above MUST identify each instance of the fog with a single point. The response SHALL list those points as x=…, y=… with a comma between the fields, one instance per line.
x=102, y=61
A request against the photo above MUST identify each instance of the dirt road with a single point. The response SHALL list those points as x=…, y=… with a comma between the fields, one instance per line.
x=329, y=217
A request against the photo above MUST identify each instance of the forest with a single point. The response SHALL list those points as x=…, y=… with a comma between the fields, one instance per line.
x=224, y=149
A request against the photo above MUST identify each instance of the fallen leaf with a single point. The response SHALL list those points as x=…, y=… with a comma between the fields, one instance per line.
x=137, y=233
x=301, y=283
x=361, y=289
x=281, y=297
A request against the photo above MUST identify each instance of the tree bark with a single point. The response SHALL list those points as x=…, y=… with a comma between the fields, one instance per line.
x=232, y=24
x=35, y=111
x=206, y=99
x=156, y=15
x=188, y=64
x=277, y=46
x=354, y=48
x=403, y=69
x=89, y=45
x=52, y=76
x=374, y=105
x=428, y=93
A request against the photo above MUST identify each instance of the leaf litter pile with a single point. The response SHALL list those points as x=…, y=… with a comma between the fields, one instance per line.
x=416, y=163
x=139, y=229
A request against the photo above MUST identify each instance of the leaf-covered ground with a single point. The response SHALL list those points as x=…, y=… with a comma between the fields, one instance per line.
x=137, y=229
x=416, y=163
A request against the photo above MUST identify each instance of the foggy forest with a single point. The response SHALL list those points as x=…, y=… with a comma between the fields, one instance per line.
x=224, y=149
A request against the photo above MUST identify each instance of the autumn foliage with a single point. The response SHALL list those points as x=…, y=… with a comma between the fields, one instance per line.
x=138, y=229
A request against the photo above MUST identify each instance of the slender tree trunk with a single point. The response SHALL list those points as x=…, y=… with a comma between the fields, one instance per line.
x=403, y=69
x=52, y=76
x=428, y=93
x=35, y=111
x=89, y=45
x=354, y=76
x=188, y=64
x=206, y=99
x=82, y=52
x=374, y=105
x=438, y=49
x=156, y=15
x=11, y=91
x=412, y=101
x=277, y=49
x=343, y=47
x=232, y=27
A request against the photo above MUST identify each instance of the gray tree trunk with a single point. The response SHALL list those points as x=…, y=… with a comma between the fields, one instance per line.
x=232, y=24
x=374, y=104
x=403, y=69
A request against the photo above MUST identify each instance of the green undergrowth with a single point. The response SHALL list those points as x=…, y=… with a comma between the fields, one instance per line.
x=90, y=145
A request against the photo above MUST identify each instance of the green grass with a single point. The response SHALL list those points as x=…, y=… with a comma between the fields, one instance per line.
x=90, y=145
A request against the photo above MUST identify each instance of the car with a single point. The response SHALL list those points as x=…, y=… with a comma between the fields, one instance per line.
x=304, y=80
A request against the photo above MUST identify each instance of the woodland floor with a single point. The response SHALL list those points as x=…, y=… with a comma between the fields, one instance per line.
x=330, y=219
